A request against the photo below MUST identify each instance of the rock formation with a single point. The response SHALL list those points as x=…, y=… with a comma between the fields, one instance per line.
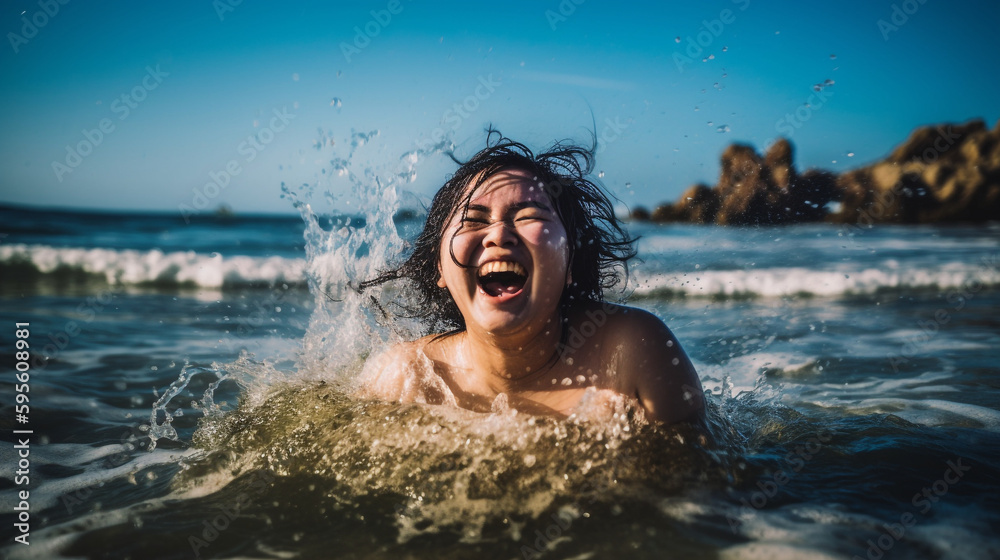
x=946, y=173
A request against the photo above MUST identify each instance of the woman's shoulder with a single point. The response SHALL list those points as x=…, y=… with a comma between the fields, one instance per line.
x=403, y=372
x=615, y=321
x=648, y=359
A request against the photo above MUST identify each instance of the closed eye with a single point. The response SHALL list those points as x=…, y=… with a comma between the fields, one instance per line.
x=474, y=223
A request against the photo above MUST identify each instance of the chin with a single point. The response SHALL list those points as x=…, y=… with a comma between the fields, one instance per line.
x=498, y=322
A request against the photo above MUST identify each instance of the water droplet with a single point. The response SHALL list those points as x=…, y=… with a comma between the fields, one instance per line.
x=566, y=381
x=711, y=57
x=723, y=129
x=724, y=49
x=817, y=87
x=677, y=39
x=850, y=154
x=336, y=102
x=710, y=123
x=828, y=82
x=600, y=175
x=833, y=57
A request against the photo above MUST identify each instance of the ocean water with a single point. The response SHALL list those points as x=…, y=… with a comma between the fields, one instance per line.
x=190, y=396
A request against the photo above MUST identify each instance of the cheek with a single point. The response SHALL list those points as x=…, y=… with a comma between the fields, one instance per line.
x=550, y=241
x=461, y=246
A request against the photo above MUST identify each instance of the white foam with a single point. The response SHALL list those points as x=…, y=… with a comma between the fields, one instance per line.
x=792, y=281
x=931, y=412
x=131, y=267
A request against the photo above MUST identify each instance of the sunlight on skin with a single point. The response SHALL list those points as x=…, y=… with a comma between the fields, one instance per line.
x=514, y=333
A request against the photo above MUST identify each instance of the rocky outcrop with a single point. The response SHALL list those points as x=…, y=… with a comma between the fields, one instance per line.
x=754, y=190
x=946, y=173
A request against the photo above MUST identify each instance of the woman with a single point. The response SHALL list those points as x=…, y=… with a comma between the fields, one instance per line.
x=515, y=258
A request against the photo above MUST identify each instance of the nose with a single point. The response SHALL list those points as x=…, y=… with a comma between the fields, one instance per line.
x=500, y=234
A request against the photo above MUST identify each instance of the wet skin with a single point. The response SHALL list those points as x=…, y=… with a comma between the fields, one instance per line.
x=516, y=258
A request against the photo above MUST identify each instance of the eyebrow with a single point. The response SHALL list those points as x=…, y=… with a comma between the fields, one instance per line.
x=513, y=207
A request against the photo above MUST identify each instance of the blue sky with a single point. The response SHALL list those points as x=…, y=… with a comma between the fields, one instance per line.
x=204, y=83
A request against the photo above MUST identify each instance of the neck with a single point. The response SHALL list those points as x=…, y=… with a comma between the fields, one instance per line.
x=508, y=363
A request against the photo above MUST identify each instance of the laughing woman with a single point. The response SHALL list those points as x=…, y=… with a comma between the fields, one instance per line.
x=515, y=258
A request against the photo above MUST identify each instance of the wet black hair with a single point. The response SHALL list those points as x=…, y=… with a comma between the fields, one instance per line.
x=600, y=248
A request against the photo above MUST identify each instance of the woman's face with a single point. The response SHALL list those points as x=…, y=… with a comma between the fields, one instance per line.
x=517, y=255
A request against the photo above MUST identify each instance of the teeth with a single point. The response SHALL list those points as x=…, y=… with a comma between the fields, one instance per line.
x=502, y=266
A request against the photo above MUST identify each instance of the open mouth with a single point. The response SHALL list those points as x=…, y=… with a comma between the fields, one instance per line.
x=502, y=278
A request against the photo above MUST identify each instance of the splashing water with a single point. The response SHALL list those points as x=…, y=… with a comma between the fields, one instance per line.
x=303, y=466
x=420, y=471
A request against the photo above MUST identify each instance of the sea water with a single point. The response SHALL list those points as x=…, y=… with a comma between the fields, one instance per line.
x=193, y=396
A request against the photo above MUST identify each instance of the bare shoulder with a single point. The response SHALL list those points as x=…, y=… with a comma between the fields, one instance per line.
x=384, y=374
x=652, y=365
x=402, y=373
